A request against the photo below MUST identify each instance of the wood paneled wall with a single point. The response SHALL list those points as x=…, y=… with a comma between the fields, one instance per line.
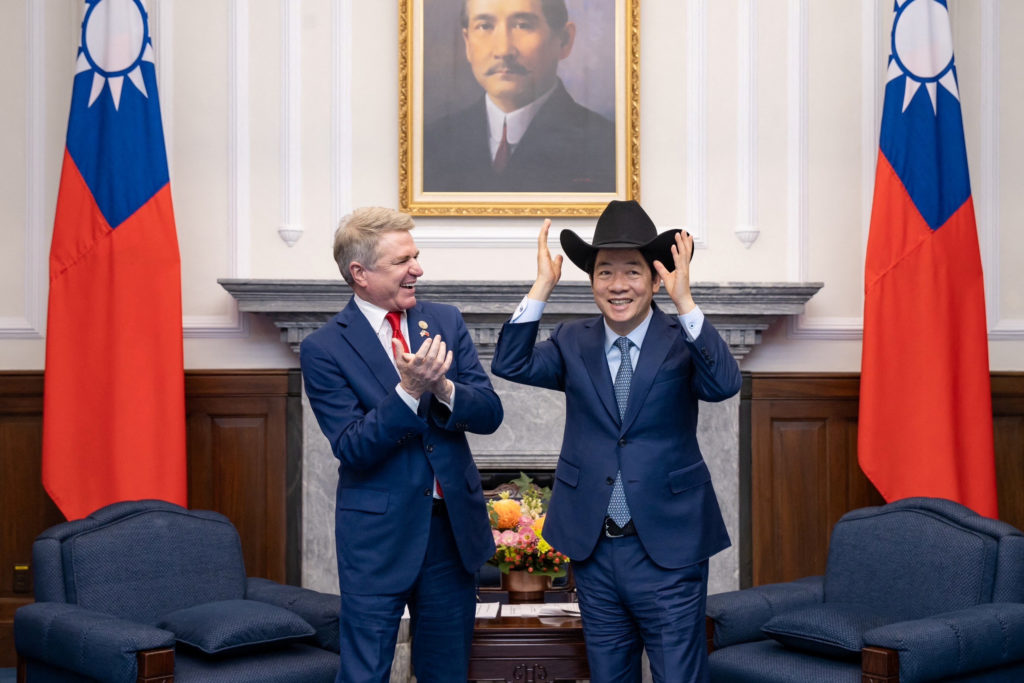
x=244, y=460
x=804, y=476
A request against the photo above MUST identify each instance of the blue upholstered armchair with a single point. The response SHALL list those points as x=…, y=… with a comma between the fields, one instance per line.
x=150, y=591
x=921, y=589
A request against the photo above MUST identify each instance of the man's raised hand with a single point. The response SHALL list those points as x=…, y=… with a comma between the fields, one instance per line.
x=549, y=270
x=677, y=283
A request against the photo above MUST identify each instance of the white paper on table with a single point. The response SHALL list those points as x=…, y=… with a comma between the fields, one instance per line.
x=487, y=610
x=552, y=609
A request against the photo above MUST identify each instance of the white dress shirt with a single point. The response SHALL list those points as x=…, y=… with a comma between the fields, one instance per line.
x=518, y=121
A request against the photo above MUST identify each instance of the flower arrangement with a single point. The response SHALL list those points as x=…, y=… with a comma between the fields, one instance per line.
x=517, y=526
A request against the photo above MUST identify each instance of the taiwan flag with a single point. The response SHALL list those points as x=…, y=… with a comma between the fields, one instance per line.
x=925, y=425
x=114, y=402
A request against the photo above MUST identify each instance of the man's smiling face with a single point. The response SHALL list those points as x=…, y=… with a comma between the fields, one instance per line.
x=390, y=282
x=513, y=51
x=624, y=287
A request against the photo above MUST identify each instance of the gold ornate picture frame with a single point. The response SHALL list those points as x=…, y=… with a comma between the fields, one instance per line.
x=579, y=150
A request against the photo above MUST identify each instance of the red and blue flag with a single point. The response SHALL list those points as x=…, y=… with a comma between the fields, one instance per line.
x=114, y=402
x=925, y=423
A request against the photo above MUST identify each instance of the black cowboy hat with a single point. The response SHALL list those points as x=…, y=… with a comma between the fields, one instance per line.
x=622, y=225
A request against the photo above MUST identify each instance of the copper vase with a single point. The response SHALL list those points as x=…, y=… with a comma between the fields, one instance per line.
x=522, y=586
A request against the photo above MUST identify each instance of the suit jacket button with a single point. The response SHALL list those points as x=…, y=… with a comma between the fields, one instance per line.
x=430, y=448
x=610, y=480
x=427, y=492
x=622, y=442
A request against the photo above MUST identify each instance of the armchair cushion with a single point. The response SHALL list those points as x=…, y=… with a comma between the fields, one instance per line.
x=320, y=610
x=831, y=629
x=228, y=625
x=739, y=615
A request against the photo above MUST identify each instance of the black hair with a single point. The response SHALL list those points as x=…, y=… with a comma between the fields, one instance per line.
x=554, y=11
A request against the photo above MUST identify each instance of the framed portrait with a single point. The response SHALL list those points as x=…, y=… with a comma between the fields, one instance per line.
x=518, y=107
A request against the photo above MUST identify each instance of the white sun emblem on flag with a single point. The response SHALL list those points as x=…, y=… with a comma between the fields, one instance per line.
x=922, y=50
x=115, y=40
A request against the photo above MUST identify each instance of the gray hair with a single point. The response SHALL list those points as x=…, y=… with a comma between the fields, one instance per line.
x=359, y=232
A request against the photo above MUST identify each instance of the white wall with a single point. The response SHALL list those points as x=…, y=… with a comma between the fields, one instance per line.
x=758, y=113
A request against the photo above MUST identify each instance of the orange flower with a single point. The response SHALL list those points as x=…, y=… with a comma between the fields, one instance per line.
x=508, y=512
x=538, y=525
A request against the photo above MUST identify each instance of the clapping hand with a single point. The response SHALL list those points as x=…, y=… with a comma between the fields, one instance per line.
x=425, y=370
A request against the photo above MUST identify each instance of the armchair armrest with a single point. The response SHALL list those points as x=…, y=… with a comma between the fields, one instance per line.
x=319, y=609
x=737, y=616
x=89, y=643
x=954, y=643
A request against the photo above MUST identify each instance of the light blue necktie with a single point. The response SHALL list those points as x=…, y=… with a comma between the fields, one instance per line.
x=618, y=510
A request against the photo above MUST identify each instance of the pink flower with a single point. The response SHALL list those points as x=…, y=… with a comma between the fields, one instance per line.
x=508, y=538
x=525, y=522
x=527, y=537
x=497, y=536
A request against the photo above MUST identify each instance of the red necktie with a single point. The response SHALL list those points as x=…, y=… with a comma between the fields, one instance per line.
x=395, y=319
x=501, y=156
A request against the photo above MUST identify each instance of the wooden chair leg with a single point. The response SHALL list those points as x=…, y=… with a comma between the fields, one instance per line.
x=156, y=666
x=879, y=665
x=709, y=630
x=21, y=670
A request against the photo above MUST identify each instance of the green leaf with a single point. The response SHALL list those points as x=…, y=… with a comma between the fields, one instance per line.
x=524, y=482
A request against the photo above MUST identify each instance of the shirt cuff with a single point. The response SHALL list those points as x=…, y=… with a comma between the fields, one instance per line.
x=693, y=323
x=413, y=403
x=528, y=311
x=450, y=403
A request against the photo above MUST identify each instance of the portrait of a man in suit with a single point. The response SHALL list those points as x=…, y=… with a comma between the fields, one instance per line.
x=524, y=132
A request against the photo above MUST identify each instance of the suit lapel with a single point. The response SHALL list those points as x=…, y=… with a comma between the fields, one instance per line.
x=363, y=340
x=657, y=343
x=596, y=361
x=417, y=315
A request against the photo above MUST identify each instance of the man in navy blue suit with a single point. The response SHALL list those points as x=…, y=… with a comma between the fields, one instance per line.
x=395, y=384
x=633, y=505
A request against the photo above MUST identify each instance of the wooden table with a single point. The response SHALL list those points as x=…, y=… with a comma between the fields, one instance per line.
x=528, y=649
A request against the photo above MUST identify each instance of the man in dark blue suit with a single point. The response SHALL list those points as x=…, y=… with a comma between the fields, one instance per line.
x=395, y=384
x=633, y=505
